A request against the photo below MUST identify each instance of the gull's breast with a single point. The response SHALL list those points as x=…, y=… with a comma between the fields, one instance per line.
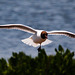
x=37, y=39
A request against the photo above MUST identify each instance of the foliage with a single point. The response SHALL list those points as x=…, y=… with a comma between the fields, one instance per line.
x=20, y=64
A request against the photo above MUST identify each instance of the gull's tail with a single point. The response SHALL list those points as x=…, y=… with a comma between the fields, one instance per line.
x=29, y=41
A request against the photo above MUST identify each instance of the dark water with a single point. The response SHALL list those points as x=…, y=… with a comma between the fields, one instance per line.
x=39, y=14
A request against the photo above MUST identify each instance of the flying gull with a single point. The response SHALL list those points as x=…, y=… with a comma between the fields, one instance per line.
x=39, y=37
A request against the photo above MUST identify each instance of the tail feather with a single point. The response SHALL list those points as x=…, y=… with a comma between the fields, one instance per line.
x=30, y=42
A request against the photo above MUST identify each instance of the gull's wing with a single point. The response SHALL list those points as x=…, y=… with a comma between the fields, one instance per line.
x=66, y=33
x=19, y=27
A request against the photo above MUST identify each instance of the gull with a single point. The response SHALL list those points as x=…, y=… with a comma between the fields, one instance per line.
x=39, y=37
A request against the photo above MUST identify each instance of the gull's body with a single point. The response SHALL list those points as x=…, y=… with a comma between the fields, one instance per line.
x=39, y=37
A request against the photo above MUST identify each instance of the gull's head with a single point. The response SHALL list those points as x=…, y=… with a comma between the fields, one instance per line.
x=44, y=35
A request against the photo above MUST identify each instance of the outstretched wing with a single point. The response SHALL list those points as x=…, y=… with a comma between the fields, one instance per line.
x=19, y=27
x=66, y=33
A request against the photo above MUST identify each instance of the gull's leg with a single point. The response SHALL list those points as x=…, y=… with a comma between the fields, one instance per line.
x=39, y=49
